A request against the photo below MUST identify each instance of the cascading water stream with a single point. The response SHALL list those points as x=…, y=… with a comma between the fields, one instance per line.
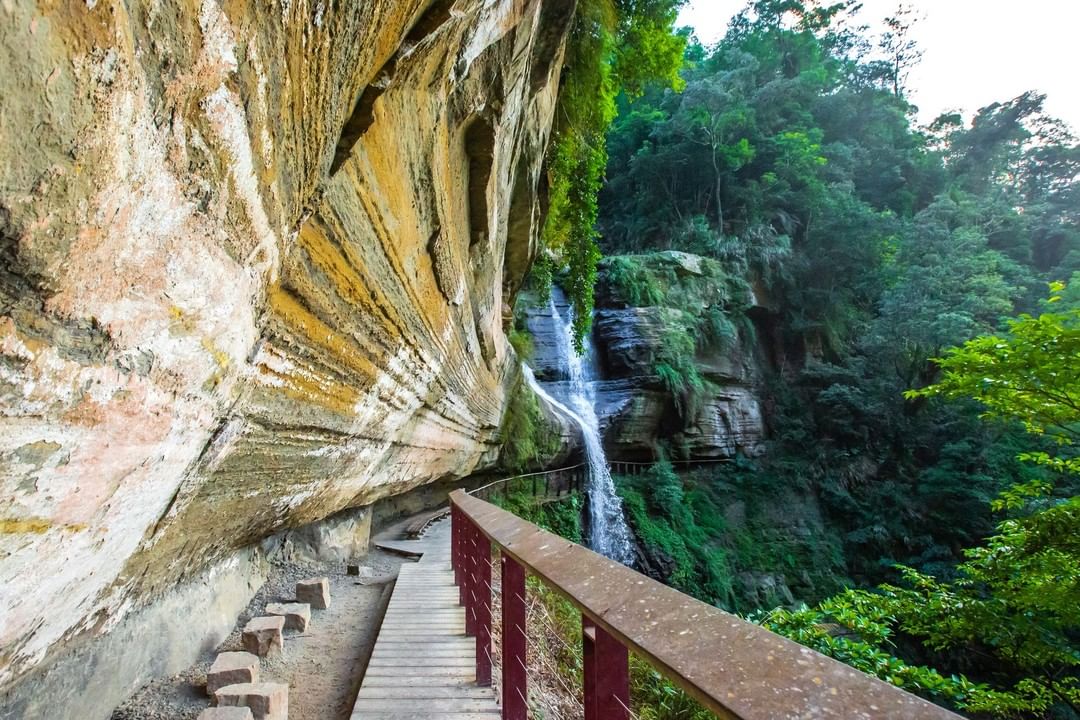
x=609, y=534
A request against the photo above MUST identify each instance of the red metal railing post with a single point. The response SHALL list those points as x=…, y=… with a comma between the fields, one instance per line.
x=514, y=677
x=607, y=674
x=483, y=609
x=469, y=571
x=455, y=545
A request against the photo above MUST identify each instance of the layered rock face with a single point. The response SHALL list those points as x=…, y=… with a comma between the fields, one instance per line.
x=255, y=260
x=639, y=411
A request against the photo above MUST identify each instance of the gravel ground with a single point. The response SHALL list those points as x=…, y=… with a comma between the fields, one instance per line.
x=322, y=666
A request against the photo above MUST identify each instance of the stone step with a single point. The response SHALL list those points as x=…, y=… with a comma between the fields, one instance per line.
x=297, y=615
x=267, y=701
x=315, y=592
x=262, y=636
x=232, y=668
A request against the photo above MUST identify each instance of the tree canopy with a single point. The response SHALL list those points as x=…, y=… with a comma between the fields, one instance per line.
x=791, y=158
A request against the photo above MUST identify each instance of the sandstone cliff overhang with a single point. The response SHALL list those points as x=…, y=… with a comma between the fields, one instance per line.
x=254, y=261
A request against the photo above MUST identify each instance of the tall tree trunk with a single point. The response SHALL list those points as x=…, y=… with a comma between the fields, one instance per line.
x=719, y=193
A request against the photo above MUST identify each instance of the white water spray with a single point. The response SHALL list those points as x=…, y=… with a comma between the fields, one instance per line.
x=609, y=534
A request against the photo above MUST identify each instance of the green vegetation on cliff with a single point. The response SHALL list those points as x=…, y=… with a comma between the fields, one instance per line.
x=729, y=536
x=704, y=310
x=528, y=437
x=791, y=163
x=616, y=46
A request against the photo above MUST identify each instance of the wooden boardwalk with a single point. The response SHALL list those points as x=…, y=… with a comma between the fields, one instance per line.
x=423, y=665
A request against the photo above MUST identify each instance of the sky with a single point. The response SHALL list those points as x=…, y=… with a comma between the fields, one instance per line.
x=976, y=52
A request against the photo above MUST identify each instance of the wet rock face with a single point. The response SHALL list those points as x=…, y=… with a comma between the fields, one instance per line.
x=637, y=411
x=253, y=262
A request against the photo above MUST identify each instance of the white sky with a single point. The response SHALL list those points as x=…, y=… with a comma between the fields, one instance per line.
x=976, y=51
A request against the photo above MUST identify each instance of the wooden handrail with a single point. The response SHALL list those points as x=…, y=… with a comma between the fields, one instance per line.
x=734, y=668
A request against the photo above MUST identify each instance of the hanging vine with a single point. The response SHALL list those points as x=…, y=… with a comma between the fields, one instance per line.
x=616, y=46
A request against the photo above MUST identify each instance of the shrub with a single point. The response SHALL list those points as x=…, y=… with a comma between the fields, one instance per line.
x=522, y=342
x=527, y=438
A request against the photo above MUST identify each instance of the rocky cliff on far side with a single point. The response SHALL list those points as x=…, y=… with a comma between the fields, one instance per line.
x=681, y=358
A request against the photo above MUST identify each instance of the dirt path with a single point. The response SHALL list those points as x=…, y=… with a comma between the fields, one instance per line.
x=322, y=667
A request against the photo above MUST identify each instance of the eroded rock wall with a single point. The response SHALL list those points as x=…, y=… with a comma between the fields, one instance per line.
x=727, y=419
x=640, y=413
x=254, y=265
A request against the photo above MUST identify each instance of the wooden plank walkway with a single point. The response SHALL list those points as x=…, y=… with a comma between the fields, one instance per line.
x=423, y=665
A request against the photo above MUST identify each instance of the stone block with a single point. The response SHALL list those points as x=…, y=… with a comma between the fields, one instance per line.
x=267, y=701
x=232, y=668
x=226, y=713
x=262, y=636
x=297, y=615
x=315, y=592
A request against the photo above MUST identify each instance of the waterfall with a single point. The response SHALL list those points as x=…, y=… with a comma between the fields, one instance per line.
x=609, y=534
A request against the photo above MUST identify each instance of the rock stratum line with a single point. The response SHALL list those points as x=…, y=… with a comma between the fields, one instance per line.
x=243, y=286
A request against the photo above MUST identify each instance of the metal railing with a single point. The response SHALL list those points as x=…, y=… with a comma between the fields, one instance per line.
x=544, y=484
x=734, y=668
x=558, y=481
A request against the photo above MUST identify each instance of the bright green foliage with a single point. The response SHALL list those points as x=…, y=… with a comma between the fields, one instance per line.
x=527, y=436
x=615, y=45
x=1012, y=615
x=950, y=286
x=675, y=366
x=702, y=308
x=675, y=280
x=1014, y=608
x=522, y=343
x=654, y=697
x=663, y=522
x=865, y=631
x=1031, y=373
x=682, y=525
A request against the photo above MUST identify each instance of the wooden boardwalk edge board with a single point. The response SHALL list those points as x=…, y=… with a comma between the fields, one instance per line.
x=423, y=665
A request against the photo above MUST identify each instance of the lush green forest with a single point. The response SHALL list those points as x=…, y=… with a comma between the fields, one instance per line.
x=914, y=294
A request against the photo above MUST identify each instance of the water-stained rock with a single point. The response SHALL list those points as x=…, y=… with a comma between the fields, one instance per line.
x=638, y=411
x=252, y=274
